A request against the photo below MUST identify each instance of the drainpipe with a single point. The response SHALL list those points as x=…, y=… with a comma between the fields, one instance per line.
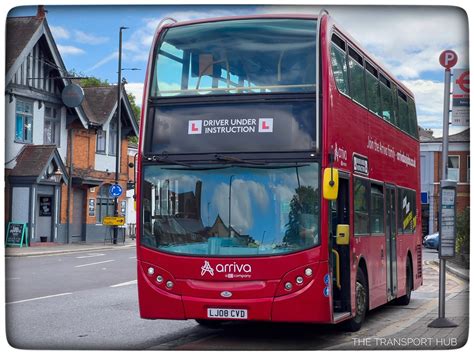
x=69, y=187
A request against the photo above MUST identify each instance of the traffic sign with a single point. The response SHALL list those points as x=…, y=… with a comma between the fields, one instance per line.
x=448, y=59
x=115, y=190
x=113, y=221
x=460, y=107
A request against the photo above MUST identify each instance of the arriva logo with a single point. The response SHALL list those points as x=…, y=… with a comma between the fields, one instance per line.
x=232, y=270
x=207, y=268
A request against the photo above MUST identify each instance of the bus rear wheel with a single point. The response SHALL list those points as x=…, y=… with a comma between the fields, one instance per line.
x=405, y=300
x=362, y=303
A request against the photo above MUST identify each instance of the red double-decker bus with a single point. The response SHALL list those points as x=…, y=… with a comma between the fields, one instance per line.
x=278, y=175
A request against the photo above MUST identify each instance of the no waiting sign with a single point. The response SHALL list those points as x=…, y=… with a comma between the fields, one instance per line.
x=460, y=111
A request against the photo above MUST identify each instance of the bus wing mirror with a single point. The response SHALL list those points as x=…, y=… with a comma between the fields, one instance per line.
x=330, y=183
x=342, y=234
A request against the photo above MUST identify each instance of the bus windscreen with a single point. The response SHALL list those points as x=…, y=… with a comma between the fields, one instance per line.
x=236, y=57
x=231, y=210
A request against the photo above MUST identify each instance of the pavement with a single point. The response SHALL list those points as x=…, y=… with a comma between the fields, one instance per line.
x=38, y=249
x=413, y=332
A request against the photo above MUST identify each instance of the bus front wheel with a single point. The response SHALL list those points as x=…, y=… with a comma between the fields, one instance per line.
x=362, y=303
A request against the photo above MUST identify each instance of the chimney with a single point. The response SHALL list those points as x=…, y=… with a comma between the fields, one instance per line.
x=41, y=12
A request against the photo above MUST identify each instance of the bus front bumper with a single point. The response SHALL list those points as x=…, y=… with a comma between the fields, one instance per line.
x=309, y=303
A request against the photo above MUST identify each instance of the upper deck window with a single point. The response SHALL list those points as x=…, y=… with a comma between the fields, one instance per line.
x=356, y=76
x=339, y=64
x=236, y=57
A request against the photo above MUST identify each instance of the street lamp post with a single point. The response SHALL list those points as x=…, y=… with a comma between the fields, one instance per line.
x=119, y=126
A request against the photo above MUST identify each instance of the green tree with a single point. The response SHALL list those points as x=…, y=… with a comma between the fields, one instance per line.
x=136, y=112
x=463, y=232
x=302, y=216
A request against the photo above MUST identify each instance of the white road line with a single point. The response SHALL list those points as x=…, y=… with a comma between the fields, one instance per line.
x=89, y=256
x=132, y=257
x=40, y=298
x=100, y=262
x=133, y=282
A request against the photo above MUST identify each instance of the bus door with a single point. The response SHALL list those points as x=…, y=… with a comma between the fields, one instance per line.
x=391, y=241
x=340, y=249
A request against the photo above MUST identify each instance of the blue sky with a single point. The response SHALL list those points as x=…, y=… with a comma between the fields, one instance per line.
x=406, y=40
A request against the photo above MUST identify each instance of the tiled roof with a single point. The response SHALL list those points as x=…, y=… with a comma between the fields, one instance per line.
x=99, y=102
x=460, y=137
x=32, y=160
x=18, y=33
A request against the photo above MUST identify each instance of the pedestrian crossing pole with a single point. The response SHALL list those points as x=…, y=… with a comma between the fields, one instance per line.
x=447, y=59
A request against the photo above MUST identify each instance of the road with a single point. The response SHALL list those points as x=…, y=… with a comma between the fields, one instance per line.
x=88, y=300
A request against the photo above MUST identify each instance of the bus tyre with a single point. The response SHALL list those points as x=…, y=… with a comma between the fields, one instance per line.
x=362, y=303
x=405, y=300
x=213, y=324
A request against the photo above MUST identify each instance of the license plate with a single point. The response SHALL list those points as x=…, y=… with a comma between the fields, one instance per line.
x=226, y=313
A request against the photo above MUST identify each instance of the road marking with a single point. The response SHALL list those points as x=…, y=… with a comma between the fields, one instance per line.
x=12, y=278
x=132, y=257
x=133, y=282
x=97, y=263
x=40, y=298
x=89, y=256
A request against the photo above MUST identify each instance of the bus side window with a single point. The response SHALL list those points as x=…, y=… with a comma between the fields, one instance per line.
x=403, y=111
x=356, y=77
x=386, y=99
x=396, y=119
x=412, y=118
x=361, y=207
x=373, y=92
x=339, y=64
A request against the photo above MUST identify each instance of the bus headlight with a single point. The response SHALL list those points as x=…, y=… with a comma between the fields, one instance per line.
x=151, y=271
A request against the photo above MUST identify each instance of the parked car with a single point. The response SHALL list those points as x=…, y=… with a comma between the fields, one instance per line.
x=431, y=241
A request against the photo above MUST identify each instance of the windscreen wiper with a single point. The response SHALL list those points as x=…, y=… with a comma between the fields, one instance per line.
x=164, y=158
x=232, y=159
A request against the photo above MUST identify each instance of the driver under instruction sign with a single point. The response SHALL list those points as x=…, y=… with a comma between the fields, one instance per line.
x=231, y=126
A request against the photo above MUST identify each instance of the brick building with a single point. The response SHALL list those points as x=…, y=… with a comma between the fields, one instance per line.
x=431, y=173
x=94, y=155
x=59, y=161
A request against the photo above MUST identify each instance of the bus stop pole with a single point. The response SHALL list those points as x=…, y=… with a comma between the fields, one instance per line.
x=441, y=321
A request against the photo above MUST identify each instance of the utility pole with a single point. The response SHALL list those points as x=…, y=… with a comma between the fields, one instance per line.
x=447, y=59
x=119, y=127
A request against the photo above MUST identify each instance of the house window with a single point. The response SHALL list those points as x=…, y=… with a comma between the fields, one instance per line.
x=24, y=122
x=113, y=138
x=453, y=167
x=52, y=125
x=105, y=204
x=100, y=146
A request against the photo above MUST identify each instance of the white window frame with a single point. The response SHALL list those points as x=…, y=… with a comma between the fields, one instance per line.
x=24, y=115
x=454, y=169
x=55, y=124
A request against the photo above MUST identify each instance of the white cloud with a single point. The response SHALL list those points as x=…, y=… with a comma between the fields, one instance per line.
x=88, y=38
x=245, y=194
x=137, y=90
x=59, y=32
x=70, y=50
x=103, y=61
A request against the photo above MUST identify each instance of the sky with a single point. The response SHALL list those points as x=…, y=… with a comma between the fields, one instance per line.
x=405, y=40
